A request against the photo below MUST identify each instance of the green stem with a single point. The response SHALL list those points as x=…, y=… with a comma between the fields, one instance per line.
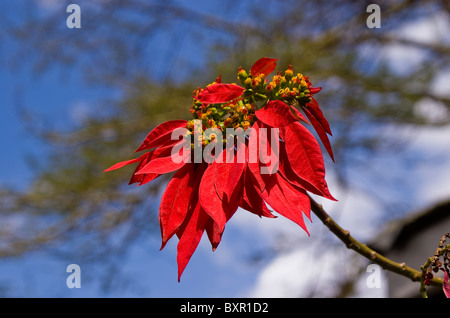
x=367, y=252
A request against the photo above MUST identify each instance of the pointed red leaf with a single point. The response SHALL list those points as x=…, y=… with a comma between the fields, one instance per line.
x=214, y=234
x=305, y=156
x=446, y=285
x=143, y=178
x=165, y=149
x=220, y=93
x=232, y=185
x=299, y=115
x=264, y=66
x=315, y=110
x=175, y=202
x=161, y=134
x=251, y=200
x=163, y=161
x=227, y=185
x=276, y=114
x=262, y=211
x=162, y=165
x=143, y=160
x=127, y=162
x=320, y=132
x=199, y=169
x=209, y=199
x=254, y=162
x=267, y=153
x=286, y=200
x=227, y=177
x=190, y=238
x=290, y=176
x=315, y=90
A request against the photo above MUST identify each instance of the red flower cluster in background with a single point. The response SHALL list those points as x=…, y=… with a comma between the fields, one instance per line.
x=203, y=196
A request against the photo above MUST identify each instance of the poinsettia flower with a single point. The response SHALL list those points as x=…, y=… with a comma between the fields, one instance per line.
x=272, y=167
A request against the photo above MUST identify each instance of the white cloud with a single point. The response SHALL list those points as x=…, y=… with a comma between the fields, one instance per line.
x=80, y=111
x=433, y=172
x=285, y=276
x=441, y=84
x=401, y=58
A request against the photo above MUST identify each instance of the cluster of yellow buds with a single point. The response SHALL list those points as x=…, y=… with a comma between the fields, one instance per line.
x=286, y=87
x=235, y=114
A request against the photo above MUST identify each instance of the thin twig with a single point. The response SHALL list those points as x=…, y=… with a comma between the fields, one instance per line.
x=367, y=252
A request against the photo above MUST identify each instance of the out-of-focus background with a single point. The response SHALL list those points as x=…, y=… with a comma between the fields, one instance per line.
x=75, y=101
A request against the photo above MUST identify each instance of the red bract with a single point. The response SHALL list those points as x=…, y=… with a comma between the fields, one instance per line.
x=273, y=166
x=161, y=134
x=264, y=66
x=320, y=124
x=446, y=286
